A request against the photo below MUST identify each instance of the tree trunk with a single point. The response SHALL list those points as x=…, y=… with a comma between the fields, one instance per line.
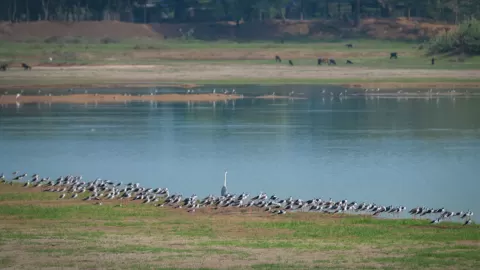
x=45, y=4
x=225, y=8
x=339, y=10
x=179, y=11
x=8, y=11
x=408, y=12
x=145, y=13
x=357, y=13
x=14, y=12
x=301, y=10
x=27, y=11
x=287, y=11
x=327, y=10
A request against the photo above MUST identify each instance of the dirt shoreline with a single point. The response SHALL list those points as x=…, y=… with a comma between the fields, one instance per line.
x=118, y=98
x=187, y=75
x=114, y=98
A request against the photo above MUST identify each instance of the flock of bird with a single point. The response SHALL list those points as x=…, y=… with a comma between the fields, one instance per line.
x=99, y=190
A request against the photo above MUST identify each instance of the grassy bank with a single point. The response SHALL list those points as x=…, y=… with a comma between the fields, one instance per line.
x=365, y=53
x=233, y=74
x=85, y=63
x=39, y=231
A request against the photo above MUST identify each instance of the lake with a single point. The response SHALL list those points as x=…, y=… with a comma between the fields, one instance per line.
x=392, y=151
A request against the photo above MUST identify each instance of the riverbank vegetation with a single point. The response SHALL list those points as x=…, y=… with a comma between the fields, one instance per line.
x=465, y=39
x=40, y=231
x=184, y=11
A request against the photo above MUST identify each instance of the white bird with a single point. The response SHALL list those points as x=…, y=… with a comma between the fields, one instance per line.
x=224, y=190
x=17, y=96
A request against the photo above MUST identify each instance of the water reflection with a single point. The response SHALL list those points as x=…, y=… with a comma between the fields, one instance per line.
x=401, y=151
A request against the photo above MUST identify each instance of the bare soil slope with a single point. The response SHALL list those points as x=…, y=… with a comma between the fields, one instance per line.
x=400, y=28
x=91, y=29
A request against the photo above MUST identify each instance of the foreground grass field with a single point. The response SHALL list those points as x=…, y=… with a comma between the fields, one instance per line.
x=39, y=231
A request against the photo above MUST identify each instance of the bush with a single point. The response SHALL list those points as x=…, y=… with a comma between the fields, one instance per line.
x=108, y=40
x=465, y=39
x=64, y=40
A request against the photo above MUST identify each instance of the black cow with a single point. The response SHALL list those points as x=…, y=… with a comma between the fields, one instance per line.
x=332, y=62
x=322, y=60
x=433, y=61
x=349, y=62
x=349, y=45
x=26, y=67
x=3, y=67
x=393, y=55
x=278, y=59
x=290, y=62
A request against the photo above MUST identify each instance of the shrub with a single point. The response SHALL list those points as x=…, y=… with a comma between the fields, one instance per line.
x=108, y=40
x=465, y=39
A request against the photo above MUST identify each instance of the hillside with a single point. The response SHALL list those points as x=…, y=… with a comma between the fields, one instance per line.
x=397, y=29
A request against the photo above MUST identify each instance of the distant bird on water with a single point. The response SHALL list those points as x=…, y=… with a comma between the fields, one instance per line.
x=224, y=188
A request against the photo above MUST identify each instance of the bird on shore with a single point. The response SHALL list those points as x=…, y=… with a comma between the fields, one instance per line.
x=100, y=190
x=224, y=190
x=436, y=221
x=20, y=177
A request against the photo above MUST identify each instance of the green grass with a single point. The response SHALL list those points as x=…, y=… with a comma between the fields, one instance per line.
x=118, y=237
x=366, y=53
x=360, y=45
x=333, y=81
x=78, y=211
x=6, y=261
x=140, y=249
x=30, y=196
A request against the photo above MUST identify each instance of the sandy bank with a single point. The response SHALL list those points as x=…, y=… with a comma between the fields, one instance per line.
x=278, y=97
x=113, y=98
x=183, y=73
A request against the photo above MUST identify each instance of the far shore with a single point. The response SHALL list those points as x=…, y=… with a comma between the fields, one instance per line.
x=114, y=98
x=118, y=98
x=190, y=75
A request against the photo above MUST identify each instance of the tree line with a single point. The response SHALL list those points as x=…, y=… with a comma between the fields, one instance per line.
x=150, y=11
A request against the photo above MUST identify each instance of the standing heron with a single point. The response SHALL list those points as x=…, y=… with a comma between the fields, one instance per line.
x=224, y=188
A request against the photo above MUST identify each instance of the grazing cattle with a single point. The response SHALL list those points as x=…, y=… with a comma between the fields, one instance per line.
x=3, y=67
x=349, y=45
x=26, y=67
x=332, y=62
x=393, y=55
x=322, y=60
x=349, y=62
x=290, y=62
x=278, y=59
x=433, y=61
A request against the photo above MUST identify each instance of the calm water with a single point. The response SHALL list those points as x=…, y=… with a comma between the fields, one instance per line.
x=388, y=151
